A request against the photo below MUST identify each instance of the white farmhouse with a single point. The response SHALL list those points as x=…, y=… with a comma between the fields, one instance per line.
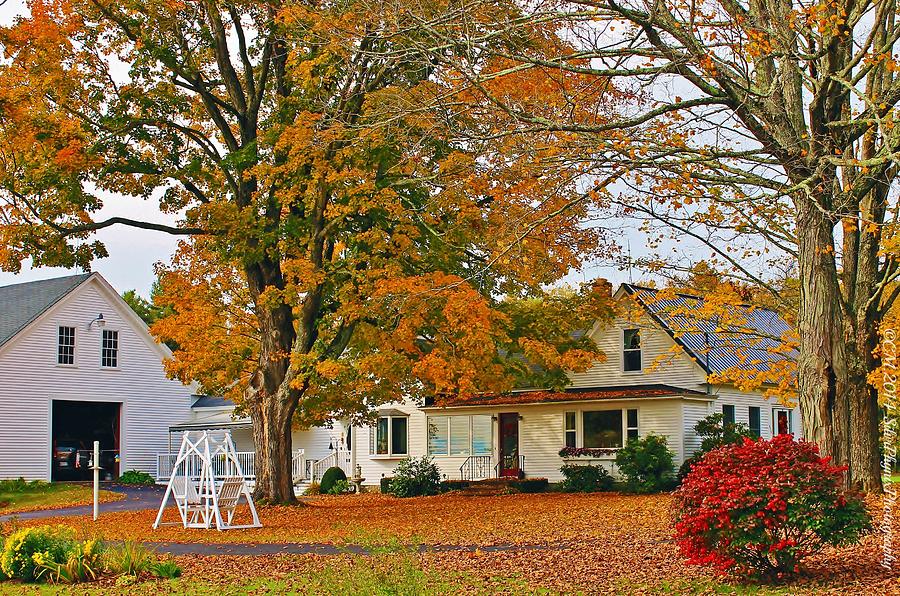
x=653, y=380
x=78, y=365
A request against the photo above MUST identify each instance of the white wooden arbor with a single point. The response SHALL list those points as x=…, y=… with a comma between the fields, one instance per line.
x=207, y=483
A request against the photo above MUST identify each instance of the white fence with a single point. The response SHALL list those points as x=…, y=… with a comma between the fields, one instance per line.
x=223, y=467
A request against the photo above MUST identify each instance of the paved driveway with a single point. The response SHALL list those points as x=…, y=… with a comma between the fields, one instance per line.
x=136, y=499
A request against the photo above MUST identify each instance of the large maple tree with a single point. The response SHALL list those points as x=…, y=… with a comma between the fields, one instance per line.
x=344, y=245
x=765, y=133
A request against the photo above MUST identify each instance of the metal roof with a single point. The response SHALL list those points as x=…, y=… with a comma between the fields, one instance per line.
x=211, y=401
x=20, y=304
x=750, y=341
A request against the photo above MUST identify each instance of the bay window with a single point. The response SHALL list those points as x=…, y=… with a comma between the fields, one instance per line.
x=392, y=436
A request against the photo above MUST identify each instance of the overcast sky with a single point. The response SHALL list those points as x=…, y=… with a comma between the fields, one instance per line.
x=133, y=252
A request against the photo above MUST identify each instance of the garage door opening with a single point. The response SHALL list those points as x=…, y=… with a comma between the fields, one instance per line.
x=76, y=425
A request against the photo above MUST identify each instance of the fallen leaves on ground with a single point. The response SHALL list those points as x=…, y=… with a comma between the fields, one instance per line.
x=597, y=544
x=73, y=495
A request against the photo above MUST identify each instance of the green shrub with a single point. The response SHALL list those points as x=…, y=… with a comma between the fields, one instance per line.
x=530, y=485
x=647, y=464
x=26, y=550
x=340, y=487
x=165, y=569
x=331, y=476
x=136, y=477
x=129, y=558
x=386, y=484
x=416, y=477
x=83, y=563
x=585, y=478
x=448, y=485
x=20, y=485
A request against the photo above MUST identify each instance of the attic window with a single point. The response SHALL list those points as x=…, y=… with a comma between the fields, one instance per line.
x=631, y=350
x=65, y=353
x=109, y=352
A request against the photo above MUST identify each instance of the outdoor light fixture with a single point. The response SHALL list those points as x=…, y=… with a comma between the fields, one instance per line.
x=101, y=322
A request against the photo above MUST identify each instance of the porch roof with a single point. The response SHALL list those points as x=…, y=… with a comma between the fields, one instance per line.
x=588, y=394
x=210, y=425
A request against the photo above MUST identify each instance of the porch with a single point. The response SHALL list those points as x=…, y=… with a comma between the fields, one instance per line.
x=303, y=471
x=483, y=467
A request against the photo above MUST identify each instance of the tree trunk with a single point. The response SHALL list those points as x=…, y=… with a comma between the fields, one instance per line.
x=838, y=406
x=272, y=436
x=271, y=399
x=821, y=367
x=865, y=457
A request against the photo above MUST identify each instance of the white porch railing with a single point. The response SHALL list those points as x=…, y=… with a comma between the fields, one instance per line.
x=223, y=467
x=339, y=458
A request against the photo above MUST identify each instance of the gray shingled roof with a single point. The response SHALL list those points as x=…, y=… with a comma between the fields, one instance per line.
x=752, y=346
x=20, y=304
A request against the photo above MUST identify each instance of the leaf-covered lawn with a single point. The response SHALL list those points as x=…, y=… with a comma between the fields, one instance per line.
x=17, y=496
x=601, y=543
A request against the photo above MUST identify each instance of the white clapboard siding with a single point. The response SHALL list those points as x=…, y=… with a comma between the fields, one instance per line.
x=374, y=466
x=693, y=411
x=30, y=379
x=661, y=364
x=743, y=400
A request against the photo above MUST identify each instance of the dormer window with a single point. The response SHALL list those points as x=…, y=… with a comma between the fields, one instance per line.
x=631, y=350
x=65, y=351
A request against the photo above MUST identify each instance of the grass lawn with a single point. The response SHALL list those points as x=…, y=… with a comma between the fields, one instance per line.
x=551, y=543
x=19, y=495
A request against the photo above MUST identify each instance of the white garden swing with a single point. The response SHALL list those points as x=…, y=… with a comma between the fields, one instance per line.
x=207, y=483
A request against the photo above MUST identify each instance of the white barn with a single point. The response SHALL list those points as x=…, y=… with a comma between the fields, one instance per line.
x=78, y=365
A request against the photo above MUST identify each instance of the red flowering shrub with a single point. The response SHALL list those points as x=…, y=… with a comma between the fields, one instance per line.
x=757, y=508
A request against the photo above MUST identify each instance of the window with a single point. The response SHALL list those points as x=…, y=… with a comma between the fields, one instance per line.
x=727, y=414
x=438, y=435
x=755, y=419
x=391, y=435
x=781, y=422
x=570, y=429
x=399, y=433
x=109, y=352
x=65, y=353
x=631, y=350
x=460, y=435
x=482, y=435
x=631, y=429
x=602, y=429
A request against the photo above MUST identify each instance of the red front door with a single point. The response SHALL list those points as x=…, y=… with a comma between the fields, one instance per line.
x=509, y=445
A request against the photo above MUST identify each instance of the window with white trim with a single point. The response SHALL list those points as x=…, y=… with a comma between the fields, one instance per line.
x=460, y=436
x=392, y=435
x=65, y=350
x=728, y=414
x=109, y=350
x=570, y=432
x=631, y=424
x=603, y=429
x=755, y=415
x=631, y=350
